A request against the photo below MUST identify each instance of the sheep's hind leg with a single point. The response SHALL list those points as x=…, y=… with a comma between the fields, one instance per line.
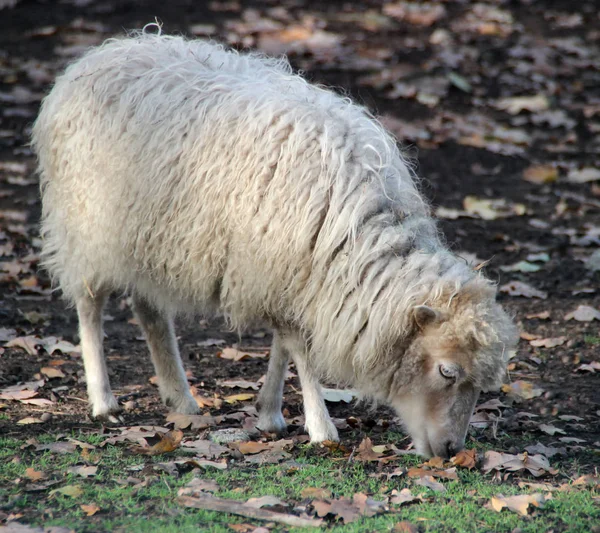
x=317, y=420
x=160, y=336
x=102, y=402
x=270, y=399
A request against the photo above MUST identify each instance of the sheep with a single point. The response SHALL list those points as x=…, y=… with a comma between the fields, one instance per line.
x=203, y=180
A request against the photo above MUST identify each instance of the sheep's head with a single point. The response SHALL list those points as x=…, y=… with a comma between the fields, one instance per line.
x=457, y=352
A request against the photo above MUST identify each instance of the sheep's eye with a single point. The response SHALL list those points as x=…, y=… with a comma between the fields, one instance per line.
x=449, y=372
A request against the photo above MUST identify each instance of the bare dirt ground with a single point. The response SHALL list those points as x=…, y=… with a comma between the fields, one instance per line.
x=500, y=102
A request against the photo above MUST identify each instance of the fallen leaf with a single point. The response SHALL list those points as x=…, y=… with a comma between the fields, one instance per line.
x=583, y=313
x=205, y=448
x=540, y=174
x=236, y=355
x=521, y=266
x=518, y=504
x=338, y=395
x=537, y=465
x=240, y=383
x=544, y=315
x=34, y=475
x=73, y=491
x=83, y=471
x=514, y=105
x=403, y=497
x=588, y=367
x=405, y=527
x=548, y=343
x=315, y=493
x=365, y=451
x=197, y=485
x=211, y=503
x=168, y=442
x=583, y=175
x=265, y=501
x=30, y=420
x=52, y=372
x=238, y=398
x=89, y=509
x=522, y=390
x=518, y=288
x=545, y=450
x=449, y=473
x=251, y=447
x=491, y=209
x=57, y=447
x=465, y=459
x=137, y=434
x=550, y=430
x=431, y=483
x=587, y=480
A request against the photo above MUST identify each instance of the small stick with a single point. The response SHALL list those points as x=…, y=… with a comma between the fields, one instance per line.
x=222, y=505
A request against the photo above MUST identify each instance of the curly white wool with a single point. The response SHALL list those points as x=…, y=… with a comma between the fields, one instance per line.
x=200, y=178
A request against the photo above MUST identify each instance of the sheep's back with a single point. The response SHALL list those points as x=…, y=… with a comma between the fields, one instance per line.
x=199, y=176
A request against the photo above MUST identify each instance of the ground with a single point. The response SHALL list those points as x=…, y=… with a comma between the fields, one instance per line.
x=499, y=105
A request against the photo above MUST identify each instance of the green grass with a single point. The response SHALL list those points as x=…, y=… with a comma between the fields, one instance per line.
x=591, y=339
x=153, y=508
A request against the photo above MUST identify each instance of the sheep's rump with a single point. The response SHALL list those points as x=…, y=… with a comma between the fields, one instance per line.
x=200, y=177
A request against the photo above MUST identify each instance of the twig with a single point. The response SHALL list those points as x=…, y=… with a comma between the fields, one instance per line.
x=222, y=505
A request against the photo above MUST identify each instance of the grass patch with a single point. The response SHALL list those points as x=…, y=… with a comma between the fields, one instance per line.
x=152, y=507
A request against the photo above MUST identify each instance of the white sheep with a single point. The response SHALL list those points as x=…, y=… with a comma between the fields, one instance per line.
x=198, y=179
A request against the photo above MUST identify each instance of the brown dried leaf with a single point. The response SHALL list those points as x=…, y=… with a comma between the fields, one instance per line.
x=240, y=384
x=518, y=504
x=315, y=493
x=168, y=442
x=73, y=491
x=583, y=313
x=551, y=342
x=89, y=509
x=403, y=497
x=236, y=355
x=238, y=398
x=514, y=105
x=465, y=459
x=205, y=448
x=30, y=420
x=540, y=174
x=34, y=475
x=405, y=527
x=431, y=483
x=365, y=452
x=251, y=447
x=537, y=465
x=83, y=471
x=52, y=372
x=197, y=485
x=522, y=390
x=265, y=501
x=550, y=429
x=518, y=288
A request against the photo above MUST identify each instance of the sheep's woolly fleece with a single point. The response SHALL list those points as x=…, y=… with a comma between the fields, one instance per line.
x=202, y=178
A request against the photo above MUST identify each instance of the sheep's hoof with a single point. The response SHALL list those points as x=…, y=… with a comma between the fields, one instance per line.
x=184, y=406
x=328, y=432
x=272, y=423
x=108, y=414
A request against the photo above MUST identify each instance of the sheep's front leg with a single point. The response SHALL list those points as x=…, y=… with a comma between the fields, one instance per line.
x=270, y=399
x=89, y=311
x=160, y=336
x=317, y=420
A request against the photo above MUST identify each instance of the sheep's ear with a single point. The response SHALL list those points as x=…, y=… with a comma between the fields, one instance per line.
x=425, y=315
